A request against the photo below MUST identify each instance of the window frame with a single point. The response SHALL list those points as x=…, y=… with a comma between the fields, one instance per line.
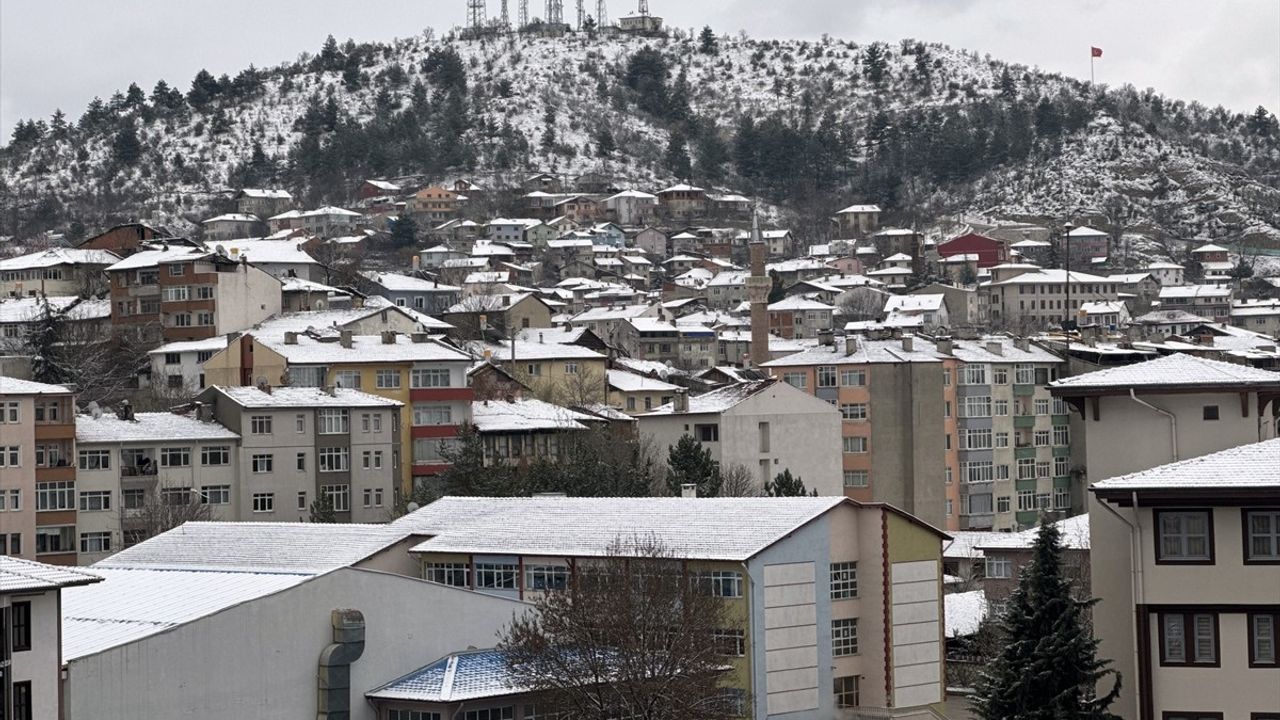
x=841, y=637
x=844, y=580
x=1188, y=638
x=1157, y=513
x=1246, y=537
x=1250, y=637
x=1189, y=715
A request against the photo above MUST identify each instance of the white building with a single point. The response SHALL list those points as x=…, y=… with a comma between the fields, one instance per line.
x=176, y=367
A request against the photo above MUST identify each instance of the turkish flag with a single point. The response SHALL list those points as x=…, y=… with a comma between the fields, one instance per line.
x=1095, y=52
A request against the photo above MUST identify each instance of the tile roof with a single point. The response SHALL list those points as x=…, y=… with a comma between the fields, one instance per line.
x=494, y=416
x=148, y=427
x=18, y=575
x=471, y=675
x=732, y=529
x=1249, y=466
x=1177, y=369
x=17, y=386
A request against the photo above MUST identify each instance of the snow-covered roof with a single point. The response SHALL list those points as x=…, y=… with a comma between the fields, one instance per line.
x=31, y=309
x=212, y=344
x=631, y=382
x=297, y=284
x=1209, y=248
x=465, y=262
x=498, y=416
x=1249, y=466
x=265, y=251
x=459, y=677
x=18, y=575
x=17, y=386
x=148, y=427
x=1194, y=291
x=650, y=367
x=486, y=277
x=302, y=397
x=1050, y=275
x=59, y=256
x=895, y=232
x=965, y=612
x=610, y=312
x=1168, y=317
x=1128, y=278
x=1086, y=231
x=266, y=193
x=890, y=272
x=799, y=302
x=484, y=248
x=868, y=351
x=637, y=194
x=364, y=349
x=232, y=217
x=966, y=544
x=715, y=401
x=152, y=258
x=501, y=351
x=860, y=209
x=1029, y=243
x=1164, y=266
x=1102, y=308
x=924, y=302
x=384, y=185
x=898, y=257
x=395, y=282
x=730, y=529
x=976, y=351
x=681, y=187
x=1175, y=370
x=1074, y=531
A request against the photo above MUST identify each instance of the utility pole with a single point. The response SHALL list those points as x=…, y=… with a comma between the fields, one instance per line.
x=1066, y=323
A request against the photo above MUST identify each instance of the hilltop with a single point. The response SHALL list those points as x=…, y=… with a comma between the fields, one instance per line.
x=928, y=131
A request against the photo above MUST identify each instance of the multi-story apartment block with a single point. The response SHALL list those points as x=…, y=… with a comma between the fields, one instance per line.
x=263, y=202
x=1013, y=437
x=1026, y=297
x=1135, y=417
x=300, y=444
x=178, y=292
x=428, y=296
x=30, y=625
x=426, y=376
x=136, y=469
x=37, y=471
x=799, y=317
x=517, y=432
x=897, y=439
x=764, y=426
x=1208, y=301
x=571, y=374
x=633, y=393
x=1187, y=571
x=57, y=271
x=840, y=603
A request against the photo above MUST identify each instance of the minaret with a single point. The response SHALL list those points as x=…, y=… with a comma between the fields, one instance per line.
x=758, y=287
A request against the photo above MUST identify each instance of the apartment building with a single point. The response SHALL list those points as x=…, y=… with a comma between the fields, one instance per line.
x=1207, y=301
x=517, y=432
x=1189, y=585
x=1133, y=417
x=177, y=368
x=1026, y=297
x=764, y=426
x=427, y=377
x=300, y=444
x=799, y=317
x=1260, y=316
x=572, y=373
x=898, y=441
x=37, y=471
x=840, y=602
x=56, y=271
x=172, y=293
x=857, y=221
x=429, y=296
x=136, y=469
x=30, y=620
x=633, y=393
x=1013, y=437
x=1005, y=554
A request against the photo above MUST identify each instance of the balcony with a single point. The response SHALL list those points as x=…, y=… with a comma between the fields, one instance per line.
x=1024, y=452
x=1024, y=390
x=1024, y=421
x=55, y=473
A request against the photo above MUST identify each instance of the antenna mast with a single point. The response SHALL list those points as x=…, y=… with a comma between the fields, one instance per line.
x=644, y=8
x=523, y=19
x=555, y=12
x=506, y=19
x=602, y=13
x=475, y=14
x=582, y=14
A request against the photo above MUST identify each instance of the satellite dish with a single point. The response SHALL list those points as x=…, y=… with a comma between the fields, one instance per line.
x=220, y=250
x=412, y=507
x=94, y=409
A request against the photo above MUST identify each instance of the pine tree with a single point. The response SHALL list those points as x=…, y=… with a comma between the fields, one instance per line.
x=874, y=63
x=404, y=232
x=677, y=157
x=688, y=463
x=1047, y=667
x=605, y=144
x=322, y=510
x=467, y=473
x=784, y=484
x=203, y=87
x=125, y=147
x=707, y=43
x=1008, y=87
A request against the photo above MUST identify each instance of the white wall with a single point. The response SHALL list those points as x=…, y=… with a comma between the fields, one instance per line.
x=39, y=665
x=259, y=659
x=245, y=297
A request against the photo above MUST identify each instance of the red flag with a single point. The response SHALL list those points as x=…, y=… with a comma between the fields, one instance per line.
x=1095, y=52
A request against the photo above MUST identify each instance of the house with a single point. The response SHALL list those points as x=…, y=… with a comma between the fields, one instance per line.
x=1141, y=288
x=608, y=322
x=1210, y=301
x=765, y=427
x=370, y=189
x=857, y=221
x=1168, y=322
x=652, y=241
x=298, y=295
x=799, y=317
x=429, y=296
x=123, y=239
x=728, y=205
x=230, y=226
x=924, y=310
x=177, y=367
x=433, y=205
x=963, y=306
x=683, y=201
x=22, y=320
x=436, y=255
x=990, y=251
x=325, y=222
x=571, y=373
x=1135, y=417
x=1188, y=584
x=1166, y=273
x=633, y=393
x=279, y=258
x=504, y=312
x=1025, y=297
x=1113, y=315
x=519, y=432
x=38, y=476
x=1006, y=554
x=520, y=230
x=30, y=622
x=844, y=599
x=56, y=271
x=542, y=182
x=640, y=24
x=263, y=202
x=1261, y=316
x=1084, y=244
x=891, y=396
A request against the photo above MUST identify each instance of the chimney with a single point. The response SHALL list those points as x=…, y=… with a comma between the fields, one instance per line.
x=290, y=337
x=488, y=354
x=908, y=343
x=415, y=262
x=344, y=338
x=388, y=337
x=681, y=402
x=419, y=337
x=945, y=346
x=825, y=337
x=539, y=338
x=689, y=490
x=1022, y=344
x=850, y=344
x=995, y=347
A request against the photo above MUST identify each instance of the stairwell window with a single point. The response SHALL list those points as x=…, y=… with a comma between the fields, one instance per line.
x=335, y=421
x=856, y=478
x=854, y=445
x=338, y=495
x=264, y=502
x=334, y=459
x=844, y=637
x=844, y=580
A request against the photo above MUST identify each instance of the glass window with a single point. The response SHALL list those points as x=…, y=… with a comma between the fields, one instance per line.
x=844, y=637
x=1000, y=375
x=260, y=424
x=1184, y=536
x=388, y=379
x=264, y=502
x=720, y=583
x=855, y=478
x=434, y=415
x=546, y=577
x=1188, y=638
x=973, y=374
x=334, y=459
x=1263, y=535
x=796, y=379
x=347, y=379
x=55, y=539
x=95, y=500
x=826, y=376
x=60, y=495
x=1262, y=638
x=730, y=643
x=455, y=574
x=338, y=495
x=854, y=445
x=263, y=463
x=502, y=713
x=975, y=406
x=95, y=542
x=215, y=494
x=844, y=580
x=95, y=460
x=133, y=498
x=846, y=690
x=215, y=455
x=495, y=576
x=854, y=411
x=853, y=378
x=999, y=567
x=429, y=378
x=1000, y=408
x=334, y=421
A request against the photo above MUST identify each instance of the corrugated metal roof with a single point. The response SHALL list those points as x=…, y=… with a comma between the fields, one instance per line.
x=18, y=575
x=455, y=678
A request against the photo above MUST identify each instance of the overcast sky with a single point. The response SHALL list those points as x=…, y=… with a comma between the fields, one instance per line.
x=61, y=53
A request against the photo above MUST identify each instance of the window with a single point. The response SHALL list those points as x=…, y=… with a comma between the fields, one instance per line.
x=853, y=378
x=999, y=376
x=999, y=567
x=300, y=423
x=1184, y=715
x=95, y=542
x=338, y=495
x=1061, y=435
x=133, y=498
x=388, y=379
x=707, y=433
x=973, y=374
x=854, y=411
x=501, y=713
x=1002, y=439
x=977, y=471
x=1026, y=500
x=1061, y=467
x=11, y=456
x=1210, y=412
x=1041, y=438
x=1262, y=536
x=215, y=494
x=204, y=318
x=854, y=445
x=796, y=379
x=1189, y=638
x=571, y=368
x=844, y=580
x=49, y=455
x=846, y=691
x=371, y=460
x=302, y=499
x=264, y=463
x=826, y=376
x=177, y=270
x=437, y=414
x=20, y=626
x=1184, y=536
x=10, y=412
x=172, y=358
x=347, y=379
x=95, y=500
x=1002, y=504
x=1000, y=408
x=215, y=455
x=60, y=495
x=260, y=424
x=1263, y=637
x=844, y=637
x=204, y=292
x=178, y=293
x=975, y=406
x=301, y=462
x=412, y=715
x=55, y=539
x=264, y=502
x=175, y=496
x=1002, y=472
x=535, y=369
x=546, y=577
x=455, y=574
x=720, y=583
x=975, y=439
x=1041, y=407
x=855, y=478
x=95, y=459
x=1061, y=499
x=334, y=421
x=495, y=576
x=334, y=459
x=430, y=378
x=730, y=643
x=182, y=320
x=1024, y=374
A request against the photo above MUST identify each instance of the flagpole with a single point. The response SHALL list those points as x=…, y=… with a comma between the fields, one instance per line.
x=1091, y=58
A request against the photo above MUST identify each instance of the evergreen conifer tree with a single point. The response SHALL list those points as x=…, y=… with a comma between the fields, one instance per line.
x=1047, y=667
x=784, y=484
x=125, y=148
x=707, y=44
x=677, y=157
x=690, y=463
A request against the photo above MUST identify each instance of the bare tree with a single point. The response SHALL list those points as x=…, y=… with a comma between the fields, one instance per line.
x=737, y=481
x=164, y=508
x=632, y=636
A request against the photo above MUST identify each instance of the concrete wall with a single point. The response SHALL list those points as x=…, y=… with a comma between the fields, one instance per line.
x=21, y=478
x=40, y=664
x=259, y=659
x=245, y=297
x=907, y=439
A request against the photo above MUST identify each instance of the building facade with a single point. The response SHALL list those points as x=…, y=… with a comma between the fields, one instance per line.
x=37, y=471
